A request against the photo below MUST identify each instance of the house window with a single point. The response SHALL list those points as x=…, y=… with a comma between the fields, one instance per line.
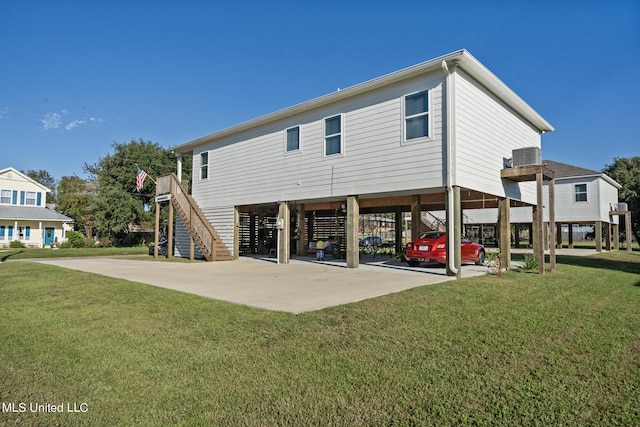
x=293, y=139
x=2, y=228
x=5, y=196
x=581, y=192
x=333, y=135
x=204, y=165
x=416, y=115
x=30, y=198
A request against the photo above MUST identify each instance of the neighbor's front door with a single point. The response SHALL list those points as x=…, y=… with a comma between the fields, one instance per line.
x=48, y=236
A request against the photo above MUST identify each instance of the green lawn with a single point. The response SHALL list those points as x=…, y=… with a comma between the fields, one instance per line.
x=28, y=253
x=516, y=349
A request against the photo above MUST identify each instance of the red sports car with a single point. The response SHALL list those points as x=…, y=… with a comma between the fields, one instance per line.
x=431, y=246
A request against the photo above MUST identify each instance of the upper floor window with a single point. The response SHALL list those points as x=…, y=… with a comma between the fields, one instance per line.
x=5, y=196
x=204, y=165
x=416, y=115
x=30, y=198
x=581, y=192
x=333, y=135
x=293, y=139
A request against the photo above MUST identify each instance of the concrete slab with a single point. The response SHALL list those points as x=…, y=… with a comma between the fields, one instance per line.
x=303, y=285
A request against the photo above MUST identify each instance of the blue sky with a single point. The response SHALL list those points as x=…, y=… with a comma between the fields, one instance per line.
x=77, y=76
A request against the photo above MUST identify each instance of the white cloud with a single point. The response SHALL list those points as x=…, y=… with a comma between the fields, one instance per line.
x=55, y=121
x=51, y=121
x=74, y=124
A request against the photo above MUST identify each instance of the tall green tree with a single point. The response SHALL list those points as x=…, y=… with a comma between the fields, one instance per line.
x=45, y=178
x=118, y=204
x=626, y=172
x=76, y=199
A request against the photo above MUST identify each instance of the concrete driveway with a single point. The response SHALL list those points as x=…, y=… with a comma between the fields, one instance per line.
x=303, y=285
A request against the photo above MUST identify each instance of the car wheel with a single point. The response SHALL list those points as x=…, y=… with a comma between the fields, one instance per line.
x=480, y=260
x=414, y=263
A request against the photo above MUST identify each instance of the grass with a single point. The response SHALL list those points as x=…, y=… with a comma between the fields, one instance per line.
x=518, y=349
x=29, y=253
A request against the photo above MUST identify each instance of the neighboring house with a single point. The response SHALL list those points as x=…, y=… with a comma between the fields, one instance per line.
x=24, y=216
x=582, y=197
x=432, y=135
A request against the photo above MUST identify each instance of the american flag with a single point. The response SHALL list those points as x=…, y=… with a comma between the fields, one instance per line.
x=140, y=179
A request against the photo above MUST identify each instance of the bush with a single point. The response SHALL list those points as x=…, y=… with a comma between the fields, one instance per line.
x=530, y=262
x=75, y=239
x=16, y=244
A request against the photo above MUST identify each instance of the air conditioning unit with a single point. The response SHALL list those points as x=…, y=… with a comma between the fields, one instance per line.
x=528, y=156
x=622, y=207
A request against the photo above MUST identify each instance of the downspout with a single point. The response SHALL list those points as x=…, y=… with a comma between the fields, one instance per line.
x=451, y=263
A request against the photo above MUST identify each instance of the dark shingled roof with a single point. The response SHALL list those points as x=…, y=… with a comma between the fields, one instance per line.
x=563, y=170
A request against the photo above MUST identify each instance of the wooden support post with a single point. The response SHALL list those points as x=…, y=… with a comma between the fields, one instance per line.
x=398, y=230
x=616, y=237
x=170, y=241
x=607, y=236
x=284, y=233
x=353, y=230
x=504, y=232
x=302, y=232
x=416, y=217
x=627, y=230
x=552, y=225
x=156, y=239
x=570, y=246
x=192, y=248
x=558, y=236
x=236, y=233
x=598, y=236
x=539, y=237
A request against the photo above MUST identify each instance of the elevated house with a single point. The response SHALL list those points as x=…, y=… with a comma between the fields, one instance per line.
x=24, y=216
x=428, y=137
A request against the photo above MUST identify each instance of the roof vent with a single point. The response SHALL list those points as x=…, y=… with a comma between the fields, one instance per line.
x=528, y=156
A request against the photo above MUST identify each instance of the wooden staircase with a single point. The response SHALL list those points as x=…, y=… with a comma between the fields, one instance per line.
x=200, y=229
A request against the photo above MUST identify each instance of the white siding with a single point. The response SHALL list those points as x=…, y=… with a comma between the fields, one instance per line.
x=486, y=132
x=567, y=209
x=608, y=199
x=252, y=168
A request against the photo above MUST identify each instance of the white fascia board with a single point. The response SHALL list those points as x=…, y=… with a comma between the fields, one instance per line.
x=604, y=176
x=462, y=58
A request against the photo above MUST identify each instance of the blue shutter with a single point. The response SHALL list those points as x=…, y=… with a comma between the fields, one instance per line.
x=10, y=232
x=15, y=197
x=2, y=227
x=27, y=232
x=39, y=201
x=22, y=197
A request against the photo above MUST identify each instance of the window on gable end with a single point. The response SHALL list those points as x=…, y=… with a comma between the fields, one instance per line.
x=581, y=192
x=416, y=115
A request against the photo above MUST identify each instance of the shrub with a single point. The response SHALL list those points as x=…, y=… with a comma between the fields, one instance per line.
x=16, y=244
x=530, y=262
x=75, y=239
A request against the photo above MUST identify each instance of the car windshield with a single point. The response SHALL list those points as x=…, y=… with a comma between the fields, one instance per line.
x=431, y=235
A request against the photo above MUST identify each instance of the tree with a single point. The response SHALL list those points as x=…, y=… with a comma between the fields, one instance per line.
x=118, y=204
x=75, y=199
x=43, y=177
x=626, y=172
